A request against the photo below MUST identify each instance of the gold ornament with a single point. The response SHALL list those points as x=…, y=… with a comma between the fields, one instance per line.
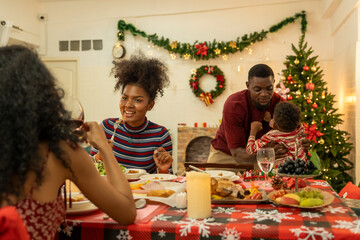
x=296, y=61
x=313, y=68
x=282, y=77
x=217, y=51
x=232, y=44
x=187, y=56
x=298, y=93
x=321, y=141
x=225, y=57
x=173, y=45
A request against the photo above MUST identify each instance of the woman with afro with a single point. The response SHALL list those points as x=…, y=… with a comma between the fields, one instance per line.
x=138, y=142
x=39, y=150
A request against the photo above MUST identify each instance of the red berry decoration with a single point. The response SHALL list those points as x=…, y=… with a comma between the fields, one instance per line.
x=206, y=68
x=221, y=86
x=306, y=68
x=289, y=78
x=315, y=106
x=289, y=97
x=310, y=86
x=308, y=101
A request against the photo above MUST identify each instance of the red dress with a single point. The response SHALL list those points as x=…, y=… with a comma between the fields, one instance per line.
x=11, y=225
x=42, y=219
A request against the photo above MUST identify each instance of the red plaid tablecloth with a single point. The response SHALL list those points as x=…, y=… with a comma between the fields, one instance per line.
x=261, y=221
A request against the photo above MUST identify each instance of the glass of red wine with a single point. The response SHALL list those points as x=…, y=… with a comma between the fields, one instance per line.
x=76, y=117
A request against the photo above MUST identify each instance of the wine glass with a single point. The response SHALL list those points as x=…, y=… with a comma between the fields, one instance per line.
x=266, y=160
x=76, y=117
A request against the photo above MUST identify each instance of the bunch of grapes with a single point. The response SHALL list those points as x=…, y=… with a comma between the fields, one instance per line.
x=297, y=167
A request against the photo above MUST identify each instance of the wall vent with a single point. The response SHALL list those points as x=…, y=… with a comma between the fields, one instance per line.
x=81, y=45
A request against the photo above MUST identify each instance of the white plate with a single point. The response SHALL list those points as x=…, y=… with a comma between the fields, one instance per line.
x=234, y=178
x=219, y=174
x=90, y=208
x=158, y=177
x=134, y=175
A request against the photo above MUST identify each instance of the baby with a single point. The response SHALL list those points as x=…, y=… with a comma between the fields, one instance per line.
x=287, y=130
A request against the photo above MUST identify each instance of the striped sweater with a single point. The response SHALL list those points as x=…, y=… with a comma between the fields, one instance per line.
x=134, y=147
x=286, y=139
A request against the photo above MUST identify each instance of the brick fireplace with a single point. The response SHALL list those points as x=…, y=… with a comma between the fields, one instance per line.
x=193, y=144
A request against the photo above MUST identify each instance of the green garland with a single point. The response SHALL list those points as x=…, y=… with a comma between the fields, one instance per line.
x=207, y=97
x=207, y=50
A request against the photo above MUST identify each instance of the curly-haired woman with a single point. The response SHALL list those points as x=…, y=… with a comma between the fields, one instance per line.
x=138, y=142
x=39, y=151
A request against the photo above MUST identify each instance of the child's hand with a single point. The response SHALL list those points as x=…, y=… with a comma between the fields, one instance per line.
x=255, y=128
x=267, y=116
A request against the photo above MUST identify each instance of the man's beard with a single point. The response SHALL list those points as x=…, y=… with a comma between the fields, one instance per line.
x=261, y=107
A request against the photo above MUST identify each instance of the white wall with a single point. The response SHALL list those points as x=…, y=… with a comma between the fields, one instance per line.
x=345, y=32
x=23, y=14
x=187, y=21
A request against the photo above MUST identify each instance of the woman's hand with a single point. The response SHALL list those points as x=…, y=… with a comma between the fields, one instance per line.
x=95, y=134
x=163, y=159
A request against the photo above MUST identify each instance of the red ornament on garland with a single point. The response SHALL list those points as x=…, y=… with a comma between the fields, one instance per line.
x=201, y=49
x=315, y=106
x=206, y=68
x=289, y=97
x=306, y=68
x=310, y=86
x=308, y=101
x=221, y=86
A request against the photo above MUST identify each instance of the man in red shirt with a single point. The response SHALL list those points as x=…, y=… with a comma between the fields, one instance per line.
x=240, y=109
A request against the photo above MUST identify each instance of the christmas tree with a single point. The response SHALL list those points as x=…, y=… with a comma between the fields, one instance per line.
x=303, y=85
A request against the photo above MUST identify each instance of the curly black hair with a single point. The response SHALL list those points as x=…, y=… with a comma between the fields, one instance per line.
x=150, y=74
x=31, y=112
x=287, y=116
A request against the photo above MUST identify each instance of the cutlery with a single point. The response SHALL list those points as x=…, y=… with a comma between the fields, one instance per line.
x=140, y=203
x=197, y=169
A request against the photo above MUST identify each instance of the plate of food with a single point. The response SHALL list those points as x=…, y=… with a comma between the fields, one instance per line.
x=305, y=198
x=158, y=177
x=134, y=173
x=219, y=174
x=79, y=204
x=159, y=191
x=225, y=191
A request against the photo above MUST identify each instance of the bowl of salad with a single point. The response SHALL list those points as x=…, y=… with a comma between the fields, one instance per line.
x=101, y=169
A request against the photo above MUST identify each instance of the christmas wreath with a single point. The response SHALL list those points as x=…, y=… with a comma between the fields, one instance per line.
x=207, y=97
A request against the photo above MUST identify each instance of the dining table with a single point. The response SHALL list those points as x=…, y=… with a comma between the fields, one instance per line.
x=262, y=220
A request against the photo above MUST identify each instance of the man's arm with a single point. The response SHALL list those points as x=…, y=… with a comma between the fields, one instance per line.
x=240, y=155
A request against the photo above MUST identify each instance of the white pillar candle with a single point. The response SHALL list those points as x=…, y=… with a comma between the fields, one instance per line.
x=198, y=195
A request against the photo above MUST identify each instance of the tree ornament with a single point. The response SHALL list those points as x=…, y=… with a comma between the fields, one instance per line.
x=324, y=109
x=298, y=93
x=282, y=78
x=296, y=61
x=313, y=68
x=306, y=68
x=232, y=44
x=308, y=101
x=207, y=97
x=289, y=97
x=201, y=49
x=174, y=45
x=315, y=106
x=310, y=86
x=321, y=141
x=311, y=132
x=282, y=90
x=289, y=78
x=322, y=121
